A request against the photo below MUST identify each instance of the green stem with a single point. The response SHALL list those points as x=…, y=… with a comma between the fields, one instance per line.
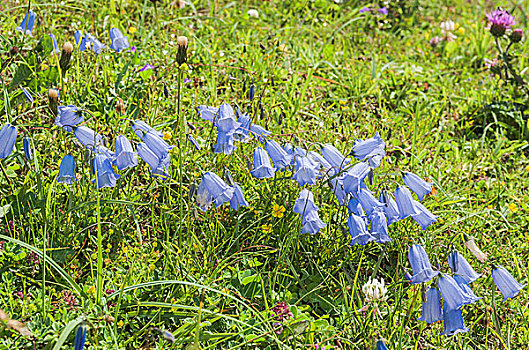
x=181, y=127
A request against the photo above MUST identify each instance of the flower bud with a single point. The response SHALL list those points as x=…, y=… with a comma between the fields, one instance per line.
x=516, y=35
x=66, y=55
x=53, y=98
x=181, y=55
x=14, y=50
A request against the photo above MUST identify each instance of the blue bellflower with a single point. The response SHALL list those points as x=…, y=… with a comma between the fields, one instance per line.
x=431, y=308
x=379, y=226
x=404, y=202
x=80, y=337
x=204, y=198
x=355, y=207
x=27, y=95
x=318, y=158
x=368, y=202
x=312, y=223
x=119, y=41
x=370, y=148
x=207, y=113
x=218, y=189
x=8, y=136
x=105, y=175
x=469, y=294
x=125, y=155
x=159, y=165
x=420, y=265
x=335, y=158
x=26, y=142
x=381, y=345
x=238, y=199
x=305, y=203
x=225, y=143
x=87, y=137
x=390, y=208
x=355, y=176
x=358, y=230
x=262, y=167
x=279, y=156
x=423, y=216
x=417, y=185
x=243, y=131
x=27, y=24
x=225, y=121
x=140, y=128
x=194, y=142
x=55, y=46
x=505, y=282
x=453, y=295
x=306, y=172
x=67, y=170
x=88, y=41
x=453, y=321
x=259, y=132
x=156, y=144
x=336, y=185
x=68, y=117
x=460, y=267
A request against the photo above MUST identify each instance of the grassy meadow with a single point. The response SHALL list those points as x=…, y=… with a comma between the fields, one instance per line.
x=143, y=264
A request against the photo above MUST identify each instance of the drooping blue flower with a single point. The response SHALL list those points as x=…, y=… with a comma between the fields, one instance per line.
x=390, y=207
x=374, y=161
x=219, y=190
x=27, y=95
x=467, y=291
x=318, y=158
x=420, y=265
x=125, y=155
x=312, y=223
x=460, y=267
x=87, y=137
x=289, y=148
x=194, y=142
x=404, y=202
x=80, y=337
x=305, y=203
x=119, y=41
x=453, y=321
x=368, y=202
x=140, y=128
x=355, y=207
x=26, y=142
x=262, y=167
x=336, y=184
x=105, y=175
x=381, y=345
x=453, y=295
x=67, y=170
x=204, y=198
x=27, y=24
x=159, y=165
x=68, y=117
x=80, y=42
x=156, y=144
x=251, y=92
x=431, y=308
x=207, y=113
x=306, y=171
x=417, y=185
x=243, y=131
x=355, y=176
x=374, y=146
x=383, y=11
x=358, y=230
x=259, y=132
x=335, y=158
x=225, y=143
x=238, y=199
x=88, y=41
x=55, y=46
x=423, y=216
x=226, y=121
x=8, y=136
x=379, y=226
x=505, y=282
x=280, y=158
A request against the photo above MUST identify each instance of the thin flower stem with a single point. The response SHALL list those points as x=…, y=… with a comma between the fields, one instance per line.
x=181, y=127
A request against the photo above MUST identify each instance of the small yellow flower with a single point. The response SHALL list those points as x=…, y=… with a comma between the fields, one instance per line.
x=91, y=290
x=490, y=207
x=527, y=168
x=132, y=30
x=266, y=228
x=167, y=135
x=107, y=261
x=461, y=30
x=278, y=211
x=109, y=246
x=120, y=323
x=125, y=250
x=154, y=244
x=513, y=208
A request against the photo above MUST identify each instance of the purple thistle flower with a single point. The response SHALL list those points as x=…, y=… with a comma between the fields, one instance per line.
x=499, y=21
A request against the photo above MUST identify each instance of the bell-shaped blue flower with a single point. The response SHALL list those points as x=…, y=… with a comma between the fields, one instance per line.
x=140, y=128
x=96, y=45
x=204, y=198
x=453, y=295
x=420, y=265
x=505, y=282
x=207, y=113
x=305, y=203
x=55, y=46
x=119, y=41
x=80, y=337
x=156, y=144
x=26, y=142
x=404, y=202
x=467, y=291
x=460, y=267
x=355, y=207
x=365, y=149
x=225, y=121
x=379, y=226
x=259, y=132
x=27, y=95
x=453, y=321
x=194, y=142
x=374, y=161
x=68, y=117
x=218, y=189
x=243, y=131
x=225, y=143
x=368, y=202
x=262, y=167
x=381, y=345
x=335, y=158
x=312, y=223
x=159, y=165
x=279, y=156
x=80, y=40
x=417, y=185
x=105, y=175
x=67, y=170
x=238, y=199
x=355, y=176
x=27, y=24
x=423, y=216
x=390, y=207
x=318, y=158
x=306, y=172
x=336, y=184
x=358, y=230
x=8, y=136
x=125, y=157
x=87, y=137
x=431, y=308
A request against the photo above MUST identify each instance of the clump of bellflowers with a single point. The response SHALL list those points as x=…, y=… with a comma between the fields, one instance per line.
x=446, y=293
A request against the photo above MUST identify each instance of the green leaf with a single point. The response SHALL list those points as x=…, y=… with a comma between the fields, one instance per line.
x=67, y=330
x=4, y=210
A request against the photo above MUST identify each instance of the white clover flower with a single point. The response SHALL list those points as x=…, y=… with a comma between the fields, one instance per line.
x=374, y=290
x=447, y=26
x=253, y=13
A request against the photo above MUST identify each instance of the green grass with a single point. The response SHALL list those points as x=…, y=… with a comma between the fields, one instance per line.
x=323, y=73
